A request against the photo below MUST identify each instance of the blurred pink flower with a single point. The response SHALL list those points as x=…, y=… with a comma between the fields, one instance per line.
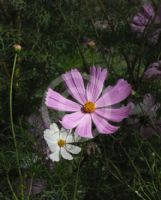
x=90, y=107
x=144, y=18
x=153, y=71
x=144, y=117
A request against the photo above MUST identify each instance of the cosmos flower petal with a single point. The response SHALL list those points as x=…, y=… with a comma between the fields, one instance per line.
x=102, y=125
x=66, y=134
x=50, y=135
x=148, y=10
x=70, y=138
x=114, y=114
x=139, y=20
x=96, y=83
x=55, y=156
x=107, y=89
x=84, y=128
x=136, y=28
x=152, y=72
x=54, y=127
x=75, y=84
x=53, y=147
x=57, y=102
x=63, y=134
x=115, y=95
x=70, y=121
x=65, y=154
x=73, y=149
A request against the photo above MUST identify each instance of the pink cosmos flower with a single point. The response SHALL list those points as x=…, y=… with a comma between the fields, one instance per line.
x=144, y=117
x=153, y=71
x=143, y=20
x=91, y=106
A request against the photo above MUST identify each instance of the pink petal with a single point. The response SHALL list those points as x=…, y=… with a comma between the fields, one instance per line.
x=107, y=89
x=96, y=83
x=102, y=125
x=148, y=10
x=115, y=95
x=152, y=72
x=75, y=84
x=84, y=128
x=140, y=20
x=137, y=28
x=70, y=121
x=57, y=102
x=112, y=114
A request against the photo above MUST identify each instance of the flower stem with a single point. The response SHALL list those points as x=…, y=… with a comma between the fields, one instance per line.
x=11, y=188
x=12, y=126
x=76, y=180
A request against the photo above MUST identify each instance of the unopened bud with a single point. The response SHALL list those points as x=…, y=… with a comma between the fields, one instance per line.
x=17, y=47
x=91, y=44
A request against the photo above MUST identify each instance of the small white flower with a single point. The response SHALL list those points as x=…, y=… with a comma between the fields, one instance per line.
x=60, y=143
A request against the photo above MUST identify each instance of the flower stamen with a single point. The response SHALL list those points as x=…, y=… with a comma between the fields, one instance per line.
x=88, y=107
x=61, y=143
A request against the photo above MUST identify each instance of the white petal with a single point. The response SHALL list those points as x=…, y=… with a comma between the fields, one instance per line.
x=53, y=147
x=50, y=137
x=55, y=156
x=49, y=134
x=65, y=154
x=69, y=138
x=54, y=127
x=73, y=149
x=63, y=134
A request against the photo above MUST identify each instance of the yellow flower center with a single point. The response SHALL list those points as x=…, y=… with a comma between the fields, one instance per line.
x=61, y=143
x=89, y=107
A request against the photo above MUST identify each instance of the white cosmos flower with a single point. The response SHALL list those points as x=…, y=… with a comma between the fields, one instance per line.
x=60, y=143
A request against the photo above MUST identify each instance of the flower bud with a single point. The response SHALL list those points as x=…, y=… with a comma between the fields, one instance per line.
x=91, y=44
x=17, y=47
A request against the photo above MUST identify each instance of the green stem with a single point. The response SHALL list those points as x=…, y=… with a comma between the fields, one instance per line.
x=11, y=188
x=76, y=180
x=12, y=126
